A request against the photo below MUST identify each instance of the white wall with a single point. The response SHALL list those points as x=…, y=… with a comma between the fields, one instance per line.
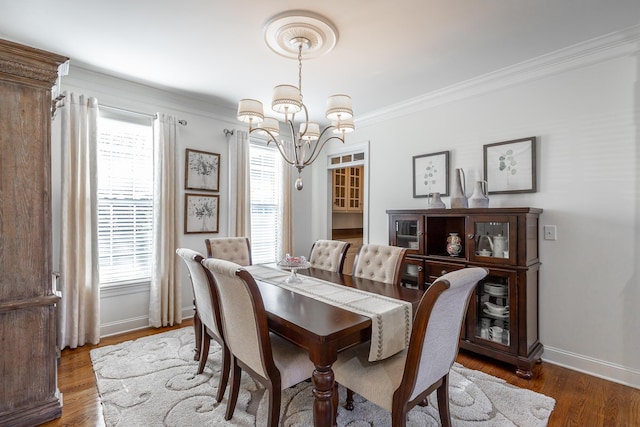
x=126, y=308
x=585, y=114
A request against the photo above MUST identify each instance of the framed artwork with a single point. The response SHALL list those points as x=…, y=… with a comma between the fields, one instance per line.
x=510, y=166
x=431, y=174
x=202, y=170
x=201, y=213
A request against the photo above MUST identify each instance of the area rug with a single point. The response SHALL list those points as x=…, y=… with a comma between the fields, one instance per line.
x=152, y=381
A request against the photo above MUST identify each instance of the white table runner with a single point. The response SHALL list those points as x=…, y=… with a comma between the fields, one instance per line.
x=391, y=319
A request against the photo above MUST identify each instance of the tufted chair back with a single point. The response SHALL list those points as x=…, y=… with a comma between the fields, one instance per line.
x=234, y=249
x=379, y=262
x=328, y=254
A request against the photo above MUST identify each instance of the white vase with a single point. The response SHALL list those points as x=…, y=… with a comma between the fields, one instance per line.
x=458, y=197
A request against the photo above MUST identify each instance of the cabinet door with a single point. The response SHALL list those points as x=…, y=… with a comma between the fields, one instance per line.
x=492, y=315
x=340, y=190
x=413, y=273
x=493, y=239
x=354, y=202
x=407, y=231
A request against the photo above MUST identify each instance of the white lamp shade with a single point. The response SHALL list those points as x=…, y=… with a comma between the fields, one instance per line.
x=270, y=124
x=286, y=99
x=344, y=126
x=250, y=110
x=310, y=130
x=339, y=107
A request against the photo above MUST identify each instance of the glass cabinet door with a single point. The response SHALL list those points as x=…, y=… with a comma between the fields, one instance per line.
x=407, y=232
x=494, y=298
x=412, y=274
x=491, y=237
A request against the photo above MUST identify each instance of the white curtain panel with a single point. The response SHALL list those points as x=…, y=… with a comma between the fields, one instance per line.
x=239, y=188
x=165, y=305
x=287, y=211
x=79, y=308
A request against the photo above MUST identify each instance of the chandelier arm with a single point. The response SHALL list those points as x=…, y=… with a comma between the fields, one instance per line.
x=276, y=142
x=319, y=145
x=315, y=153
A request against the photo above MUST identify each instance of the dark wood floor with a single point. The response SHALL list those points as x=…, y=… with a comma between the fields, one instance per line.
x=581, y=400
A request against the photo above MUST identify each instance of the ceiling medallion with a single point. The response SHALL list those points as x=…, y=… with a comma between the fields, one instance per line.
x=280, y=30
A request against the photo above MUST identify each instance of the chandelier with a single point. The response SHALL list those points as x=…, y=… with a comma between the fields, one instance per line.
x=290, y=34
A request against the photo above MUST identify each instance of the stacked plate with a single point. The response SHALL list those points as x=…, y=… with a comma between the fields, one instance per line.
x=495, y=289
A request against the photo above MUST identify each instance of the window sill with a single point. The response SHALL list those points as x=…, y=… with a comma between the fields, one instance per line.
x=110, y=291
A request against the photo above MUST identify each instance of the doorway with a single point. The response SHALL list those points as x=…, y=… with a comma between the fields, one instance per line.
x=348, y=200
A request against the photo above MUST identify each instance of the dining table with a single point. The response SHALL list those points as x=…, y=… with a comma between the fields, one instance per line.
x=324, y=329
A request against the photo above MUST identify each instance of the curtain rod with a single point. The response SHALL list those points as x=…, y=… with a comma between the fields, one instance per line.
x=155, y=116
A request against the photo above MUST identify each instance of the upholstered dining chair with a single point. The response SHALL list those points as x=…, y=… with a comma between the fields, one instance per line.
x=208, y=314
x=234, y=249
x=404, y=380
x=328, y=255
x=271, y=360
x=379, y=262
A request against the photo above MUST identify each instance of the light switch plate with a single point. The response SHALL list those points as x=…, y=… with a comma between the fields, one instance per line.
x=550, y=232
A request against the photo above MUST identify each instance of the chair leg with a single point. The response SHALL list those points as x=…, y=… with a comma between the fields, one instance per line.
x=204, y=352
x=349, y=404
x=236, y=372
x=275, y=395
x=224, y=374
x=443, y=402
x=198, y=330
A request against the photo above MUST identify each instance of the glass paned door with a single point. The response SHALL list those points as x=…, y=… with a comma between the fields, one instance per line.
x=493, y=308
x=491, y=239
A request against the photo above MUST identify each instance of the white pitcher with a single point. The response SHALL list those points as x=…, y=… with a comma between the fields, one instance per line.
x=479, y=198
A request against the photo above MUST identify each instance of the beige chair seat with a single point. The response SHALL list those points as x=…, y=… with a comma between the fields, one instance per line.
x=404, y=380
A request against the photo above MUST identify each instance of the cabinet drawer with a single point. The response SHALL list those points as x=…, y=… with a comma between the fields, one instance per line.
x=435, y=269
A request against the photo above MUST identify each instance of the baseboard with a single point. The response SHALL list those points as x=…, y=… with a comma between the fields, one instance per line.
x=135, y=323
x=588, y=365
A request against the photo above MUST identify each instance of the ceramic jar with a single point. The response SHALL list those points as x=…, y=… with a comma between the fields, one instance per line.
x=434, y=201
x=499, y=246
x=454, y=244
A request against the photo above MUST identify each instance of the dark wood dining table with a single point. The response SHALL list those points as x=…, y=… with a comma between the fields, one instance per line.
x=324, y=330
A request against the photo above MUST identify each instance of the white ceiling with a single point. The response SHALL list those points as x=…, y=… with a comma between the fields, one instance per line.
x=388, y=51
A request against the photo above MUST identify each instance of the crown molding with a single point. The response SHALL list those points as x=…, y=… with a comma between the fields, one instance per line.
x=612, y=45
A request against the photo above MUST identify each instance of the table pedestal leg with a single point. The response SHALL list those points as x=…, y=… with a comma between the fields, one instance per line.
x=323, y=385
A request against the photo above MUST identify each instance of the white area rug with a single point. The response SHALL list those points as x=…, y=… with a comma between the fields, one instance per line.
x=151, y=382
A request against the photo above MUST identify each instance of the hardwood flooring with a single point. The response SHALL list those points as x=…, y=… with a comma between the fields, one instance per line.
x=581, y=400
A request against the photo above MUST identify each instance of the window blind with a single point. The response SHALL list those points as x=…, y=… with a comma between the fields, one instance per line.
x=266, y=202
x=125, y=199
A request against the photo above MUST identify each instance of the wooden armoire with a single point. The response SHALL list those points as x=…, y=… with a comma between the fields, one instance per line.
x=29, y=392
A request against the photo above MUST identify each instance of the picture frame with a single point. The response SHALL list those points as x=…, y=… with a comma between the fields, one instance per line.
x=431, y=174
x=202, y=170
x=201, y=213
x=510, y=166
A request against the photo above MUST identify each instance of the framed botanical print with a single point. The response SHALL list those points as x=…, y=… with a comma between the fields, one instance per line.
x=202, y=170
x=201, y=213
x=510, y=166
x=431, y=174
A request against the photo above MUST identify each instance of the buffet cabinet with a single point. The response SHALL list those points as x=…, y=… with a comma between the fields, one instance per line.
x=28, y=359
x=502, y=317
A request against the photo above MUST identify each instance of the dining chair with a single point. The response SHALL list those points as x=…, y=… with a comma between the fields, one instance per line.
x=208, y=315
x=379, y=262
x=404, y=380
x=234, y=249
x=268, y=358
x=328, y=254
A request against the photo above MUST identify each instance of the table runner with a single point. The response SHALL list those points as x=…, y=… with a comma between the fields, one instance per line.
x=391, y=319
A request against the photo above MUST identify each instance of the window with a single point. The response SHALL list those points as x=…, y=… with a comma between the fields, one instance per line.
x=266, y=202
x=125, y=198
